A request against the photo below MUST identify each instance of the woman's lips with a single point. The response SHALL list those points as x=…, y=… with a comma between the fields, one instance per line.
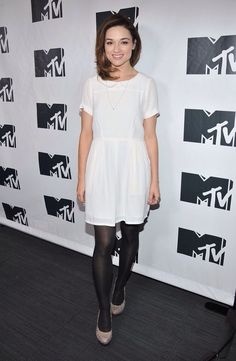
x=117, y=56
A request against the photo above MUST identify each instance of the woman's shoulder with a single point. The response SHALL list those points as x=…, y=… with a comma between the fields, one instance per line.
x=90, y=83
x=91, y=80
x=145, y=78
x=145, y=82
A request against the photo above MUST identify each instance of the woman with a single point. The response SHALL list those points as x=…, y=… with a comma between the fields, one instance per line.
x=118, y=159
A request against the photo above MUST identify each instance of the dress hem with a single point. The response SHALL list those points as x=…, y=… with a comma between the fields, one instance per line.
x=112, y=224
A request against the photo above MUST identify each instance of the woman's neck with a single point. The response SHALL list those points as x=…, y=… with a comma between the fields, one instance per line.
x=124, y=74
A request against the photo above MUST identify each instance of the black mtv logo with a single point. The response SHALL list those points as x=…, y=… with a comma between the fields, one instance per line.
x=61, y=208
x=46, y=9
x=131, y=13
x=218, y=128
x=203, y=246
x=6, y=90
x=15, y=214
x=49, y=63
x=118, y=245
x=9, y=178
x=54, y=165
x=7, y=135
x=4, y=46
x=52, y=116
x=206, y=191
x=212, y=56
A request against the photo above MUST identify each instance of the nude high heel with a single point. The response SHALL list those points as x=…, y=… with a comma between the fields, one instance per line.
x=103, y=337
x=118, y=309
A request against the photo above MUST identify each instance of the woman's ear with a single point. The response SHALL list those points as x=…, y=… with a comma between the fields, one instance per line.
x=134, y=45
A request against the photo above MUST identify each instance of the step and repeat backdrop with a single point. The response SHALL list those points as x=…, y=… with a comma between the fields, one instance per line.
x=47, y=53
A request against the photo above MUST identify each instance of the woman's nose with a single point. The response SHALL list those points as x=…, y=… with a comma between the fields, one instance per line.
x=116, y=47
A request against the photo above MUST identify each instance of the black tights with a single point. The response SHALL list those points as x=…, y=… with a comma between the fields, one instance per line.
x=105, y=237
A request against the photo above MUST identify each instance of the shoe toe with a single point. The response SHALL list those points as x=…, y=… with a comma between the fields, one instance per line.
x=103, y=337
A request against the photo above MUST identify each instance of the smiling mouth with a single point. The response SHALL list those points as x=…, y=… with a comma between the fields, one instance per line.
x=117, y=56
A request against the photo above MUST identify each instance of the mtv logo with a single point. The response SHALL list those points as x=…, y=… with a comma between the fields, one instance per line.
x=9, y=178
x=205, y=247
x=60, y=208
x=15, y=214
x=131, y=13
x=52, y=116
x=4, y=46
x=6, y=90
x=54, y=165
x=7, y=135
x=207, y=55
x=207, y=191
x=46, y=9
x=49, y=63
x=213, y=128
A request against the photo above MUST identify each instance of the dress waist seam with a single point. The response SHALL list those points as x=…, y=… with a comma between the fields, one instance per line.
x=119, y=139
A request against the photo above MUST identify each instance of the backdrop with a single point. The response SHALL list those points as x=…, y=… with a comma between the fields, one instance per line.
x=47, y=53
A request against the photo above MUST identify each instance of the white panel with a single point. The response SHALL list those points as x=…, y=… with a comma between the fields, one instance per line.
x=165, y=27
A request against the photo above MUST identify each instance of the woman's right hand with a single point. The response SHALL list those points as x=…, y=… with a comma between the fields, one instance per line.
x=81, y=192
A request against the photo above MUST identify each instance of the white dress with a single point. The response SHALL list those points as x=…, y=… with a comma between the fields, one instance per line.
x=117, y=177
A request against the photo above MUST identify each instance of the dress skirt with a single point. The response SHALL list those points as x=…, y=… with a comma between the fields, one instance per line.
x=117, y=181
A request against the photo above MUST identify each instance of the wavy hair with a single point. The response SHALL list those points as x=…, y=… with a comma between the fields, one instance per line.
x=104, y=66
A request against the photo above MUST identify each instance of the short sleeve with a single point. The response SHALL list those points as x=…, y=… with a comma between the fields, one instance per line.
x=150, y=100
x=87, y=98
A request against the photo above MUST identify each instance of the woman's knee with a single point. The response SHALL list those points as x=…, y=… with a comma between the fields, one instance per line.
x=104, y=240
x=130, y=231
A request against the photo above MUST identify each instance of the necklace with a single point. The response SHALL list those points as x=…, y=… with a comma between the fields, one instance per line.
x=114, y=84
x=114, y=106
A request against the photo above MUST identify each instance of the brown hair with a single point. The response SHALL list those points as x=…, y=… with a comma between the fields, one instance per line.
x=104, y=67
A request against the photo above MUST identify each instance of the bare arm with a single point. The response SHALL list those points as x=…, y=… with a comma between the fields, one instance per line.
x=152, y=148
x=85, y=140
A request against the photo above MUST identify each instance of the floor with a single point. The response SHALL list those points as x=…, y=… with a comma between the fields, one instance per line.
x=48, y=311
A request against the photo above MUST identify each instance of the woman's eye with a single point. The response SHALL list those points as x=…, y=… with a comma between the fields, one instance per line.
x=124, y=42
x=108, y=43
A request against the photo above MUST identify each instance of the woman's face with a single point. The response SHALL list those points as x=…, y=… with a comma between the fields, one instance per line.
x=118, y=46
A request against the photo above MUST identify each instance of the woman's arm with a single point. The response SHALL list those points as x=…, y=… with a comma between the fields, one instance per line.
x=152, y=148
x=85, y=140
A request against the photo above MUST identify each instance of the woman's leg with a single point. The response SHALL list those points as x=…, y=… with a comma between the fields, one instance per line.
x=103, y=272
x=128, y=251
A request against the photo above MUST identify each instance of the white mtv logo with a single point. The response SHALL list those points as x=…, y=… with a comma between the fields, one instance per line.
x=65, y=213
x=208, y=251
x=8, y=139
x=6, y=93
x=12, y=182
x=210, y=196
x=55, y=67
x=60, y=170
x=52, y=8
x=57, y=121
x=220, y=132
x=20, y=217
x=225, y=57
x=4, y=43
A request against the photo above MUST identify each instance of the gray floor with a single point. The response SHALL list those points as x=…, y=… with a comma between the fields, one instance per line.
x=48, y=311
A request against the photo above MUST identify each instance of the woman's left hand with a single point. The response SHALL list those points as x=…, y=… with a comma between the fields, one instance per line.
x=154, y=194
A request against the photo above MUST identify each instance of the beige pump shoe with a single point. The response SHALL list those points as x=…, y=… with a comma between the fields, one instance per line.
x=103, y=337
x=118, y=309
